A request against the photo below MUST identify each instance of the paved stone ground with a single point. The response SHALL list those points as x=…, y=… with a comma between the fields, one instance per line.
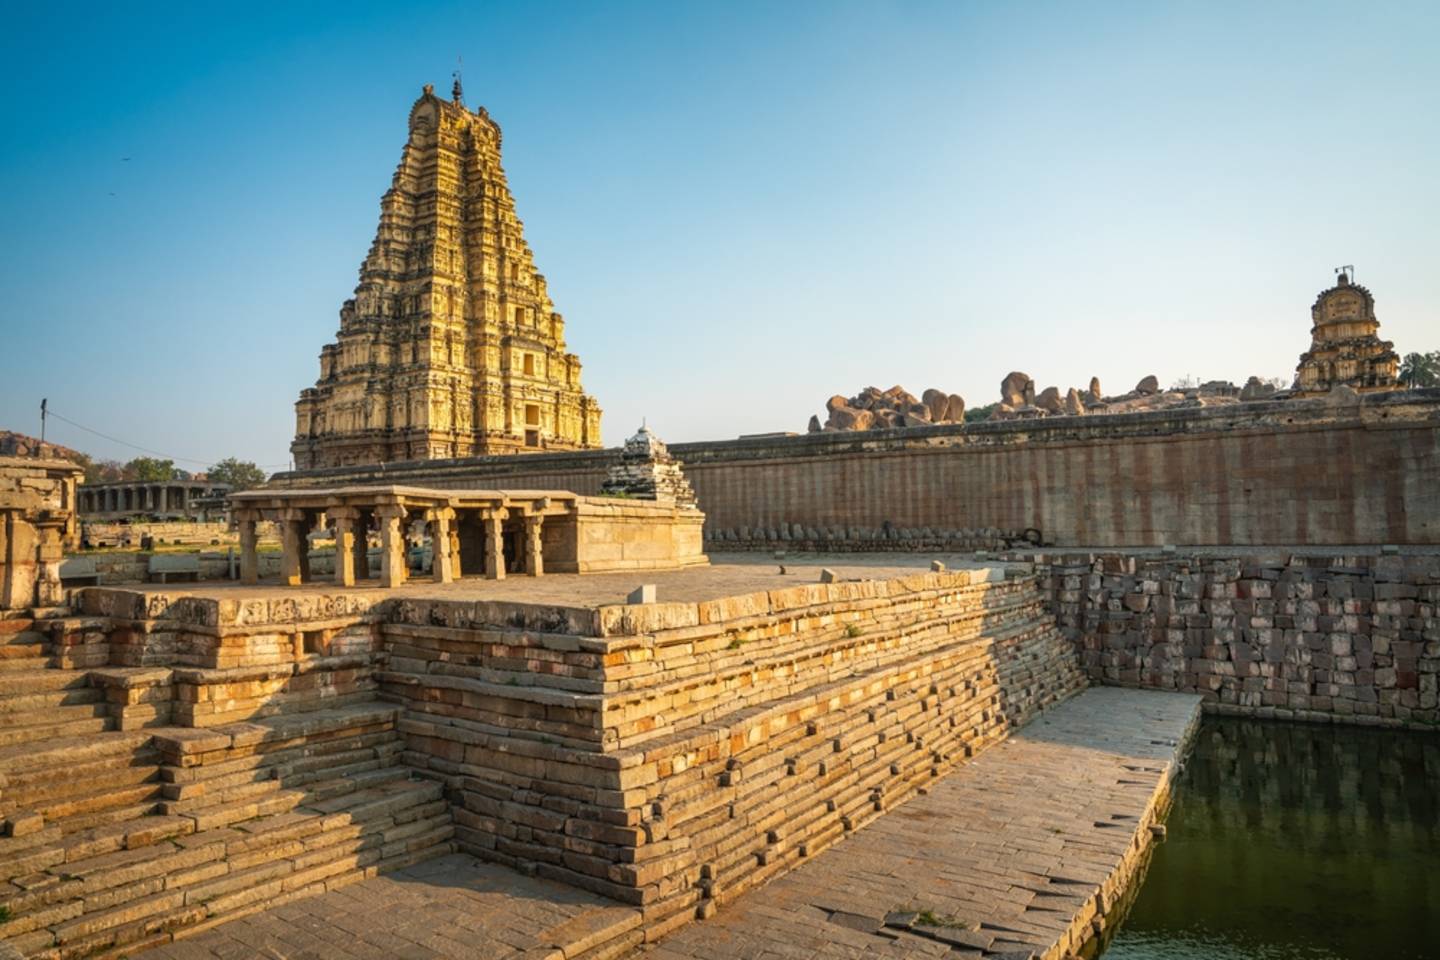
x=1009, y=850
x=728, y=575
x=450, y=907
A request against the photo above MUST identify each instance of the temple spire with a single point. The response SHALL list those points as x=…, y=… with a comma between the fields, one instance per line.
x=443, y=352
x=457, y=93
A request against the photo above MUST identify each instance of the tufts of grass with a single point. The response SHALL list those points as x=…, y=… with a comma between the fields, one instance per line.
x=853, y=630
x=929, y=918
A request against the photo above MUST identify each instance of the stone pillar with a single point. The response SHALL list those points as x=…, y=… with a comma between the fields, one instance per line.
x=362, y=544
x=495, y=543
x=344, y=520
x=306, y=526
x=48, y=590
x=392, y=545
x=292, y=543
x=442, y=522
x=534, y=560
x=249, y=554
x=454, y=551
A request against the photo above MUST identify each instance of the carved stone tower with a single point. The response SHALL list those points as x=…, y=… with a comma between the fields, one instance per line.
x=451, y=346
x=1345, y=345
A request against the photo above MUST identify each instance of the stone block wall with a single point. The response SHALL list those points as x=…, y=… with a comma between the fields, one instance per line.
x=1311, y=637
x=37, y=522
x=1266, y=472
x=673, y=755
x=101, y=533
x=614, y=534
x=839, y=539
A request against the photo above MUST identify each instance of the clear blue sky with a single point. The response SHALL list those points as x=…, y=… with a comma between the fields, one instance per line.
x=741, y=208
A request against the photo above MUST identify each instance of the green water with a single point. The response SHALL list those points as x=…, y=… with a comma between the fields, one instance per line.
x=1295, y=842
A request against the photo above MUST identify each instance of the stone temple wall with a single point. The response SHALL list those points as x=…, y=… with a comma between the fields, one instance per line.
x=1318, y=637
x=1268, y=472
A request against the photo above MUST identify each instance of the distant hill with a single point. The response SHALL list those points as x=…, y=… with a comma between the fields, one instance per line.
x=14, y=444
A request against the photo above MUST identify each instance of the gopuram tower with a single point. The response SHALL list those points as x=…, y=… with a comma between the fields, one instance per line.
x=1345, y=344
x=451, y=346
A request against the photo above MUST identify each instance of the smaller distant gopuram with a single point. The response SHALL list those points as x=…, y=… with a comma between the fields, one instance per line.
x=1345, y=346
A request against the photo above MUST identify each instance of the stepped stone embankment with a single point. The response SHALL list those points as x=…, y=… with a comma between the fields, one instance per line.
x=245, y=747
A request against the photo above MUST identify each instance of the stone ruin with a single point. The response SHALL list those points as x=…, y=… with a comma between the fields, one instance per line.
x=37, y=524
x=647, y=471
x=1019, y=399
x=874, y=409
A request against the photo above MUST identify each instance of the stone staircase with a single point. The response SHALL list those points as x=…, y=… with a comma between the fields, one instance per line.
x=114, y=840
x=38, y=701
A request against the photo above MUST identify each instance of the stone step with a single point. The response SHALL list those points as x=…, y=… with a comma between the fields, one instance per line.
x=81, y=776
x=26, y=663
x=239, y=793
x=54, y=728
x=15, y=650
x=44, y=614
x=114, y=812
x=354, y=781
x=63, y=752
x=16, y=682
x=153, y=877
x=15, y=708
x=24, y=638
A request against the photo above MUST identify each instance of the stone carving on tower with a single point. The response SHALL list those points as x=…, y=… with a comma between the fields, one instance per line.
x=1345, y=346
x=451, y=346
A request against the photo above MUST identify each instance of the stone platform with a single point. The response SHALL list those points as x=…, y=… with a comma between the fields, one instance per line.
x=239, y=749
x=1022, y=851
x=729, y=575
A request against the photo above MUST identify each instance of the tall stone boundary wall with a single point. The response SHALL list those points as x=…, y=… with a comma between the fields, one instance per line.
x=1328, y=638
x=1267, y=472
x=672, y=756
x=882, y=539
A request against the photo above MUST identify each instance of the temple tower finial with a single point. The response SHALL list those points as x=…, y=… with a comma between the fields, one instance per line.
x=457, y=93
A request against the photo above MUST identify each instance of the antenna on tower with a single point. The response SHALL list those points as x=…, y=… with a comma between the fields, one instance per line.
x=456, y=91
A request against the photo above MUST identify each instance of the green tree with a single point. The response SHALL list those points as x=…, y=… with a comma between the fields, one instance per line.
x=104, y=471
x=150, y=470
x=240, y=474
x=978, y=414
x=1421, y=369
